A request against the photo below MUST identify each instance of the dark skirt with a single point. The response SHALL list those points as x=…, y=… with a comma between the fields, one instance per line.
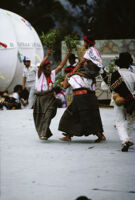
x=82, y=117
x=44, y=110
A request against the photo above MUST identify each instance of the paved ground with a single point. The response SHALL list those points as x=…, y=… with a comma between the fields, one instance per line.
x=35, y=170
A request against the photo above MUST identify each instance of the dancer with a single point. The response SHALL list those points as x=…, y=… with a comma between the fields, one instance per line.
x=69, y=69
x=72, y=62
x=91, y=56
x=82, y=117
x=45, y=106
x=122, y=82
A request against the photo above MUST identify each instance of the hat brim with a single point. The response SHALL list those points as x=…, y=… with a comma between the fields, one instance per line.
x=26, y=60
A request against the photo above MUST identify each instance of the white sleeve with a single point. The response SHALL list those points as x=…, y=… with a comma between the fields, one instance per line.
x=133, y=74
x=72, y=82
x=76, y=81
x=86, y=55
x=24, y=73
x=15, y=95
x=53, y=74
x=35, y=68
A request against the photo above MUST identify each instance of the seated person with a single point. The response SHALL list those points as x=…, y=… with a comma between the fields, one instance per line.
x=24, y=98
x=16, y=96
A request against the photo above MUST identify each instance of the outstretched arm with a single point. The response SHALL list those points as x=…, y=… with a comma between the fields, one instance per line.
x=23, y=83
x=45, y=58
x=79, y=65
x=41, y=64
x=61, y=65
x=65, y=82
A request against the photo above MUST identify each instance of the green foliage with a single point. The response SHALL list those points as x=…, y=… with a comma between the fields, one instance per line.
x=111, y=67
x=71, y=41
x=50, y=39
x=45, y=15
x=60, y=78
x=53, y=39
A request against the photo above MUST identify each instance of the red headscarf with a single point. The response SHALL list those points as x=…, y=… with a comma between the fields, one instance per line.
x=46, y=63
x=89, y=41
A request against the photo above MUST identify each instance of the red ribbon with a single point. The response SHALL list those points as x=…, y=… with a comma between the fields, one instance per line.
x=4, y=45
x=49, y=80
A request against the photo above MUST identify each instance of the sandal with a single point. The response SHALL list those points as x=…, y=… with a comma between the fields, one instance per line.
x=102, y=138
x=66, y=138
x=125, y=147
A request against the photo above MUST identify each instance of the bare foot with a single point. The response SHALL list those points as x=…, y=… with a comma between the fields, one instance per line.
x=66, y=138
x=102, y=138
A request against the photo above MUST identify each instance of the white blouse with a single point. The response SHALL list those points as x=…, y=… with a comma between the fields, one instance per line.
x=77, y=82
x=41, y=82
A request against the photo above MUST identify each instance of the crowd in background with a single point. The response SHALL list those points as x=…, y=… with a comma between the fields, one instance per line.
x=19, y=98
x=23, y=95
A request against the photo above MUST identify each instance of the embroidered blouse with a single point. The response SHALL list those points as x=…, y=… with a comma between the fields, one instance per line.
x=77, y=82
x=45, y=84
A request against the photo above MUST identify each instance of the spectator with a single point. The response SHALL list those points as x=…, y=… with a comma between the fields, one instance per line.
x=16, y=97
x=24, y=98
x=29, y=75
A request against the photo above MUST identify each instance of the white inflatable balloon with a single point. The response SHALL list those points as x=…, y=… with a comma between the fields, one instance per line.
x=17, y=39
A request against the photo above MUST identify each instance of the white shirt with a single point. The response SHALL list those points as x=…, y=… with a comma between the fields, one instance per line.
x=41, y=82
x=129, y=79
x=132, y=68
x=30, y=73
x=77, y=82
x=16, y=96
x=93, y=55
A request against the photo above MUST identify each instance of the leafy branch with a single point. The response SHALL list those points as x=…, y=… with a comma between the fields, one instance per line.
x=71, y=41
x=50, y=39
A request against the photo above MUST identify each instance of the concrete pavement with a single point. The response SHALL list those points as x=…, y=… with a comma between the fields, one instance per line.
x=46, y=170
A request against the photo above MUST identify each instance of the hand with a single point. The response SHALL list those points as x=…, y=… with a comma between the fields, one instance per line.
x=68, y=75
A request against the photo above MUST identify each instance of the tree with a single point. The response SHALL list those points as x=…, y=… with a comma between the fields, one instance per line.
x=114, y=18
x=43, y=15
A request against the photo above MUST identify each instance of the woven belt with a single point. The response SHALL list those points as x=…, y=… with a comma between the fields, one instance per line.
x=79, y=92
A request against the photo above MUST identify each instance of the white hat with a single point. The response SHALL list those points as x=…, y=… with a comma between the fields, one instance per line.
x=26, y=59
